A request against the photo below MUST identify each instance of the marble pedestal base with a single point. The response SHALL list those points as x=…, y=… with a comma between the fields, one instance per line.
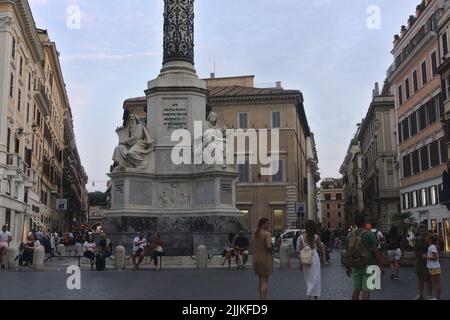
x=182, y=233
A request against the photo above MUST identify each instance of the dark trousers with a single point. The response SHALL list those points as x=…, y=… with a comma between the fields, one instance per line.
x=90, y=255
x=27, y=257
x=155, y=255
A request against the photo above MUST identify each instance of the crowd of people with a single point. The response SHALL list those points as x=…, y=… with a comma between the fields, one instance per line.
x=365, y=246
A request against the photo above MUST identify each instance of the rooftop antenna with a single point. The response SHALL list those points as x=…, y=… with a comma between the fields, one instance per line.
x=213, y=74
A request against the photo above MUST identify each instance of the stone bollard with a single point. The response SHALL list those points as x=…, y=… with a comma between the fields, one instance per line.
x=202, y=257
x=120, y=258
x=12, y=255
x=60, y=251
x=38, y=258
x=285, y=259
x=78, y=250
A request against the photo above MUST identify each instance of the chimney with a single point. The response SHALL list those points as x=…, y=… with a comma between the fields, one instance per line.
x=278, y=85
x=376, y=91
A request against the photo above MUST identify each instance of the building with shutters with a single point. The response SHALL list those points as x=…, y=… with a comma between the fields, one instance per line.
x=416, y=84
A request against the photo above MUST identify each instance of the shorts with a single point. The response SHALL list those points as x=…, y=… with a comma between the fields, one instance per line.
x=434, y=272
x=3, y=245
x=395, y=254
x=243, y=253
x=139, y=251
x=359, y=280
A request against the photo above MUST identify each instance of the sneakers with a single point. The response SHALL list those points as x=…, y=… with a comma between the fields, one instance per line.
x=419, y=297
x=433, y=299
x=396, y=277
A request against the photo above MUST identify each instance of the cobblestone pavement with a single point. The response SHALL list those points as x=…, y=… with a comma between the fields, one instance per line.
x=188, y=284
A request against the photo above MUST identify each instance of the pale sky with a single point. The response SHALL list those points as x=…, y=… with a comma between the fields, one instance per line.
x=321, y=47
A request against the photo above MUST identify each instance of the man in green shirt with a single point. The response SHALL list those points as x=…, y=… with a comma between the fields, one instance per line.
x=360, y=276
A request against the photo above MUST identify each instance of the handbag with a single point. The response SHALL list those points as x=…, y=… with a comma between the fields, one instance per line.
x=306, y=255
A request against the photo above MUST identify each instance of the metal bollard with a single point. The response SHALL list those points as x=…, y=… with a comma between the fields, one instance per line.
x=120, y=258
x=285, y=259
x=202, y=257
x=38, y=258
x=12, y=255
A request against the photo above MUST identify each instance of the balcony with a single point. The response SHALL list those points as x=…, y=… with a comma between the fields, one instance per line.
x=42, y=98
x=430, y=26
x=15, y=161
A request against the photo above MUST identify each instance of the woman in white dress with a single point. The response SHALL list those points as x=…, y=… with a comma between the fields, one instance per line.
x=312, y=272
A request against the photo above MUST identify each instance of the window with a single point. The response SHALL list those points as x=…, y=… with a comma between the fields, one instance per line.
x=19, y=102
x=21, y=66
x=340, y=214
x=329, y=225
x=415, y=162
x=338, y=196
x=433, y=195
x=328, y=206
x=11, y=86
x=443, y=153
x=340, y=225
x=13, y=48
x=413, y=123
x=29, y=81
x=244, y=172
x=405, y=129
x=278, y=177
x=327, y=197
x=400, y=96
x=424, y=73
x=8, y=142
x=28, y=112
x=415, y=82
x=406, y=201
x=400, y=135
x=433, y=63
x=444, y=44
x=339, y=206
x=425, y=163
x=17, y=146
x=414, y=199
x=328, y=215
x=423, y=197
x=407, y=166
x=434, y=154
x=243, y=120
x=407, y=88
x=278, y=224
x=276, y=119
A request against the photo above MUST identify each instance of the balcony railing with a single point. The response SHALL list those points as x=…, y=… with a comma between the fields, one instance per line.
x=431, y=25
x=14, y=160
x=43, y=97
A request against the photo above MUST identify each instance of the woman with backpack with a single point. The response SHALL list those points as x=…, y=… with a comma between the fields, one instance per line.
x=394, y=250
x=310, y=244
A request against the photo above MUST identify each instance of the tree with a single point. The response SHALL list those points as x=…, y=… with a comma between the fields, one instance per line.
x=405, y=221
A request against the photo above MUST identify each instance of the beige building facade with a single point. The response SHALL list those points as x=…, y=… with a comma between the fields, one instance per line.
x=33, y=110
x=378, y=141
x=332, y=203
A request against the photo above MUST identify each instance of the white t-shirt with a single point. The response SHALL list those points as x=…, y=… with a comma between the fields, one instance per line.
x=142, y=245
x=4, y=236
x=433, y=264
x=89, y=246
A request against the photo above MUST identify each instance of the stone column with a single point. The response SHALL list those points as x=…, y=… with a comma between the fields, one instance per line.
x=120, y=258
x=202, y=257
x=13, y=252
x=38, y=258
x=285, y=259
x=179, y=31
